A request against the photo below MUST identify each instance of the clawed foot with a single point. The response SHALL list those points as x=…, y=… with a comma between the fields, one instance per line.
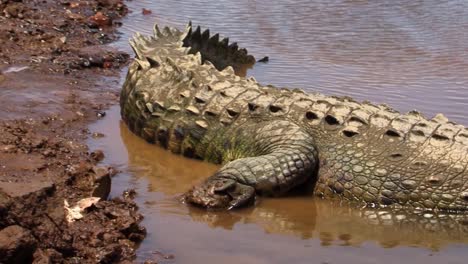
x=221, y=193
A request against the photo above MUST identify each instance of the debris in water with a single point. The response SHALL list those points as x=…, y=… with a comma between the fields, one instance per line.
x=129, y=193
x=97, y=135
x=264, y=59
x=145, y=11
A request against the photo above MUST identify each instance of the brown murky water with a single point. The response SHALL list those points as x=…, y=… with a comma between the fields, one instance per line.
x=409, y=54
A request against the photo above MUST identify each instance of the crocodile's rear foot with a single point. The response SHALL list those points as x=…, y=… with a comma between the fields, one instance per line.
x=220, y=193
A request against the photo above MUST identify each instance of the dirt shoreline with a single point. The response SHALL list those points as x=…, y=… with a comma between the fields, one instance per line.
x=55, y=78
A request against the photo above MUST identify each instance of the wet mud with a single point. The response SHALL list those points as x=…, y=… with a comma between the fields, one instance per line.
x=56, y=76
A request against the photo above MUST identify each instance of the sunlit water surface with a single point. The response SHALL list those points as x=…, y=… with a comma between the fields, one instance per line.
x=408, y=54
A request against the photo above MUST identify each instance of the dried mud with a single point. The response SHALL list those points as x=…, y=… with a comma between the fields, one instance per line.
x=56, y=77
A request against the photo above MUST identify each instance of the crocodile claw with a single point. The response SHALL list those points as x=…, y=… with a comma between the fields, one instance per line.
x=220, y=193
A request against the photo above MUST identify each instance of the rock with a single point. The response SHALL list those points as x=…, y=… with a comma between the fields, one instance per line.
x=14, y=10
x=107, y=65
x=101, y=19
x=47, y=256
x=48, y=153
x=97, y=155
x=7, y=148
x=38, y=142
x=102, y=182
x=264, y=59
x=97, y=135
x=93, y=61
x=74, y=4
x=4, y=205
x=129, y=194
x=17, y=245
x=80, y=168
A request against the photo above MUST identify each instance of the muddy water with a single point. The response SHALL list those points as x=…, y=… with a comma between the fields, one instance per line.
x=407, y=54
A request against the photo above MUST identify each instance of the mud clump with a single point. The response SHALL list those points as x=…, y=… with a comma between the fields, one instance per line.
x=33, y=216
x=17, y=244
x=52, y=61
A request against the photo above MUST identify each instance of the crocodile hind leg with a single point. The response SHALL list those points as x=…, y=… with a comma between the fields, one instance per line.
x=286, y=158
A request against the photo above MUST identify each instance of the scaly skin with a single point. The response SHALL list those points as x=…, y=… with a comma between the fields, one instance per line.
x=182, y=93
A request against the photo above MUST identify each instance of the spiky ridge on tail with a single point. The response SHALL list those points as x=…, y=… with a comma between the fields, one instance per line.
x=211, y=48
x=219, y=52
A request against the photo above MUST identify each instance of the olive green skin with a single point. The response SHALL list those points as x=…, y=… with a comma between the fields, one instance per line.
x=182, y=93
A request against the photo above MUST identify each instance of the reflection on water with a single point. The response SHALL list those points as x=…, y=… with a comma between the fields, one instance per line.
x=332, y=223
x=409, y=54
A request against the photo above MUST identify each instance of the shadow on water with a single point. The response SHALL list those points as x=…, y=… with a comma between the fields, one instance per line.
x=407, y=54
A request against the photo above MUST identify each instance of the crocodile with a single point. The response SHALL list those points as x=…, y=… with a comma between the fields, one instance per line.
x=182, y=93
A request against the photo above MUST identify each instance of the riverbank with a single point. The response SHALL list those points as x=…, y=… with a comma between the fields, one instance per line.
x=57, y=76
